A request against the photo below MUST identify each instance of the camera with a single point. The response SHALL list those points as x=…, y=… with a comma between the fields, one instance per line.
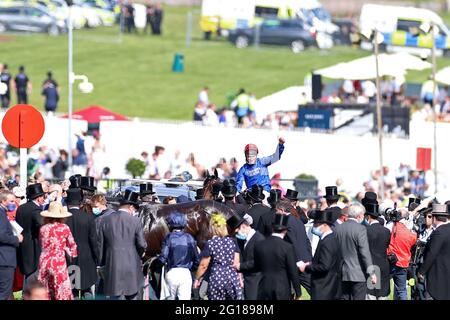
x=390, y=213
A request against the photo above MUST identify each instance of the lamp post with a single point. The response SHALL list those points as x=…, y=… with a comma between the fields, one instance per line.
x=431, y=28
x=376, y=38
x=379, y=118
x=433, y=62
x=85, y=86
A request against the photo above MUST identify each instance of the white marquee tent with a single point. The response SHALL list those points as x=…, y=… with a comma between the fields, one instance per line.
x=365, y=68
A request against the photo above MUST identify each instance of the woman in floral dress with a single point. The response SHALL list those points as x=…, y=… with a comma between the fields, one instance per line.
x=56, y=239
x=221, y=251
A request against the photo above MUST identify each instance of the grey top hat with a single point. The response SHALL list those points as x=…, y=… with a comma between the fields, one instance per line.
x=440, y=210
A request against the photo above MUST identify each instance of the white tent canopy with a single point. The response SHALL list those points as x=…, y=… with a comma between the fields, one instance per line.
x=365, y=68
x=443, y=76
x=285, y=100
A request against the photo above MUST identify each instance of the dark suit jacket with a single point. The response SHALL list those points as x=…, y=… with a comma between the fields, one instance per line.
x=247, y=267
x=275, y=258
x=237, y=207
x=83, y=228
x=296, y=235
x=8, y=242
x=379, y=238
x=28, y=216
x=436, y=264
x=265, y=223
x=256, y=212
x=325, y=270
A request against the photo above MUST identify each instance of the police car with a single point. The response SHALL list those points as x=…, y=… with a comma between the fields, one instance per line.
x=401, y=29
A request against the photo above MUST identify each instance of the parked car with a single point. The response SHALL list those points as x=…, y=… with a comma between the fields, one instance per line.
x=285, y=32
x=29, y=18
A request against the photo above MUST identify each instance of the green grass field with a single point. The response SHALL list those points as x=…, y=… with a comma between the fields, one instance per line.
x=134, y=76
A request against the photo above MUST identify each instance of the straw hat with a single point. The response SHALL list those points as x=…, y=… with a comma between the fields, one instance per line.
x=56, y=210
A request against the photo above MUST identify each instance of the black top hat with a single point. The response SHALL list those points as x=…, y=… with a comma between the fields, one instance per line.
x=34, y=191
x=291, y=195
x=87, y=183
x=369, y=197
x=229, y=188
x=275, y=196
x=280, y=221
x=331, y=193
x=74, y=196
x=75, y=181
x=145, y=188
x=256, y=193
x=325, y=216
x=235, y=221
x=199, y=194
x=413, y=203
x=372, y=209
x=130, y=197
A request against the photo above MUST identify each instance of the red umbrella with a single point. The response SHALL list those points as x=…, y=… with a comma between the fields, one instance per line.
x=96, y=114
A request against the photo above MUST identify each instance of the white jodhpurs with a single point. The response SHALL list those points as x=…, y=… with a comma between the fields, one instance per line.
x=179, y=281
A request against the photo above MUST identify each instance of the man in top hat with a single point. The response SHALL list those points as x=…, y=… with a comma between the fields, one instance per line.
x=292, y=195
x=146, y=192
x=83, y=228
x=88, y=187
x=275, y=259
x=332, y=198
x=229, y=193
x=325, y=268
x=352, y=239
x=436, y=264
x=121, y=245
x=296, y=235
x=249, y=238
x=29, y=218
x=75, y=181
x=255, y=170
x=265, y=223
x=379, y=238
x=255, y=197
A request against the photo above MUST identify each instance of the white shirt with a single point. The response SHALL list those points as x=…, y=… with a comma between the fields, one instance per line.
x=279, y=235
x=369, y=88
x=326, y=234
x=203, y=97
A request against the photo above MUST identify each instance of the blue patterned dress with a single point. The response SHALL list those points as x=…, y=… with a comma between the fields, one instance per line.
x=223, y=281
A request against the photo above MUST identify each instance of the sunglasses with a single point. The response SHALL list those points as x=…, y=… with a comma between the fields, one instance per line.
x=430, y=216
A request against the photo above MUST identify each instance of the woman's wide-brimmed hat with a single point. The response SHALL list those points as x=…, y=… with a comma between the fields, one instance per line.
x=56, y=210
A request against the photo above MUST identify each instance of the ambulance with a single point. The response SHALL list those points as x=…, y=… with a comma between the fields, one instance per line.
x=400, y=27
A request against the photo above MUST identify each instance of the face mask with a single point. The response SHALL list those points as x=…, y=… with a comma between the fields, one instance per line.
x=11, y=207
x=96, y=211
x=241, y=236
x=365, y=222
x=316, y=231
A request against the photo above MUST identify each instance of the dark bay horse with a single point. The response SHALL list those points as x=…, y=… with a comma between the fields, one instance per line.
x=153, y=218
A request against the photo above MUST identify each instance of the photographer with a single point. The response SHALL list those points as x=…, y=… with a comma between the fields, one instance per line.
x=399, y=251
